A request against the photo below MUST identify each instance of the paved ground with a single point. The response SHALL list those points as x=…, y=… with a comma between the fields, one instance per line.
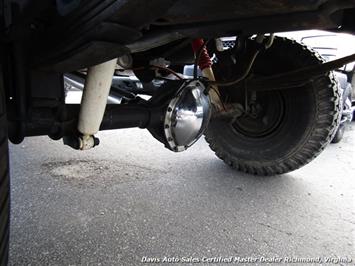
x=130, y=198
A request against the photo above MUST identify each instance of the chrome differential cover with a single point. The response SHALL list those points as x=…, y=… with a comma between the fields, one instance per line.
x=187, y=116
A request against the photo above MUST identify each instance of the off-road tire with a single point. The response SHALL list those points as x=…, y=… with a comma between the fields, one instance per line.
x=4, y=183
x=312, y=114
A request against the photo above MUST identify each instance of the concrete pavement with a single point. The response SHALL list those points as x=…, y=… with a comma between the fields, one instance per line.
x=130, y=198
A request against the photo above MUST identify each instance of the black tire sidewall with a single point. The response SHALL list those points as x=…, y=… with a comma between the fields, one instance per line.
x=4, y=181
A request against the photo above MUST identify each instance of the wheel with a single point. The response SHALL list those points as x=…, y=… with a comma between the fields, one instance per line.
x=280, y=130
x=339, y=134
x=4, y=183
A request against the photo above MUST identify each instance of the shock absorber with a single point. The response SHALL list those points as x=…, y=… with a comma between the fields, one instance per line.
x=93, y=103
x=205, y=65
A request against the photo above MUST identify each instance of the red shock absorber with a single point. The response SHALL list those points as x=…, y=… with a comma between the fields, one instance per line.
x=205, y=64
x=205, y=60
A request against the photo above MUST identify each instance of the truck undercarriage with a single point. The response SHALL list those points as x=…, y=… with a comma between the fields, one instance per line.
x=267, y=105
